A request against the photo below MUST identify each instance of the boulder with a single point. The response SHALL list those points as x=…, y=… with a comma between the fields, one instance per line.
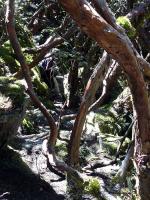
x=13, y=101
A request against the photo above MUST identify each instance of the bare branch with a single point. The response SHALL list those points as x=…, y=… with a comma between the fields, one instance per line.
x=108, y=83
x=17, y=49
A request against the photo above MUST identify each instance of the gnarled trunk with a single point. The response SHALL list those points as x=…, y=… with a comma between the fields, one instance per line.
x=100, y=25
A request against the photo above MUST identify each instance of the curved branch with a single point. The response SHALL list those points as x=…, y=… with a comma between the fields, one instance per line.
x=108, y=83
x=88, y=97
x=103, y=9
x=42, y=50
x=122, y=50
x=48, y=145
x=25, y=70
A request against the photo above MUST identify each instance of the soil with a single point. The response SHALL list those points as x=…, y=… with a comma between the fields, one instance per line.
x=19, y=181
x=25, y=175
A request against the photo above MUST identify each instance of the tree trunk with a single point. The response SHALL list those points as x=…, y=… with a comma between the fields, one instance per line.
x=142, y=163
x=115, y=42
x=73, y=85
x=88, y=97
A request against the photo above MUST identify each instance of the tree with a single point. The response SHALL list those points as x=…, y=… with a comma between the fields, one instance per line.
x=97, y=21
x=99, y=24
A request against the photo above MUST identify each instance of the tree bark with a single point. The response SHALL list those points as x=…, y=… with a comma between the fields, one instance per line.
x=25, y=70
x=108, y=83
x=118, y=44
x=73, y=85
x=88, y=98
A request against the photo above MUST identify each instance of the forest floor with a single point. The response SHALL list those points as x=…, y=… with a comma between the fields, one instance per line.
x=25, y=175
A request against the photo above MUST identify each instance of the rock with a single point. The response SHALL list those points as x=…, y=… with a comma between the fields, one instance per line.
x=12, y=108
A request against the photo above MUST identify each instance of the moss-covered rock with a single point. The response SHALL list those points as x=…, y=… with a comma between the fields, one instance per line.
x=92, y=186
x=40, y=87
x=12, y=107
x=115, y=117
x=113, y=121
x=7, y=57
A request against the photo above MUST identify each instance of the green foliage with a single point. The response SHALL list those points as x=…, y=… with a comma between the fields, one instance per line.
x=84, y=153
x=7, y=57
x=2, y=3
x=40, y=87
x=126, y=24
x=23, y=34
x=14, y=89
x=28, y=57
x=92, y=187
x=109, y=122
x=28, y=125
x=110, y=147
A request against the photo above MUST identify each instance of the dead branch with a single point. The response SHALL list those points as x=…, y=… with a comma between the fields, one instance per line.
x=125, y=164
x=101, y=164
x=54, y=162
x=104, y=193
x=123, y=138
x=68, y=117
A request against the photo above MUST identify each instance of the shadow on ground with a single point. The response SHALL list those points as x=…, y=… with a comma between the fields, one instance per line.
x=18, y=182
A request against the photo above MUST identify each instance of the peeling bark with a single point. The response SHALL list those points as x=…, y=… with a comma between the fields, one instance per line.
x=88, y=98
x=108, y=83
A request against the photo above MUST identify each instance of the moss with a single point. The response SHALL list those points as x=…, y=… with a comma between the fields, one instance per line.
x=110, y=147
x=8, y=57
x=79, y=186
x=13, y=89
x=126, y=24
x=111, y=121
x=107, y=122
x=28, y=125
x=76, y=185
x=92, y=187
x=40, y=87
x=61, y=149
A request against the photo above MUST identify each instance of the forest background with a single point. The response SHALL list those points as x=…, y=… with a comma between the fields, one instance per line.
x=74, y=82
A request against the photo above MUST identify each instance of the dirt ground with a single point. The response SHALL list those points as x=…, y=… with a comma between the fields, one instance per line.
x=25, y=175
x=19, y=177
